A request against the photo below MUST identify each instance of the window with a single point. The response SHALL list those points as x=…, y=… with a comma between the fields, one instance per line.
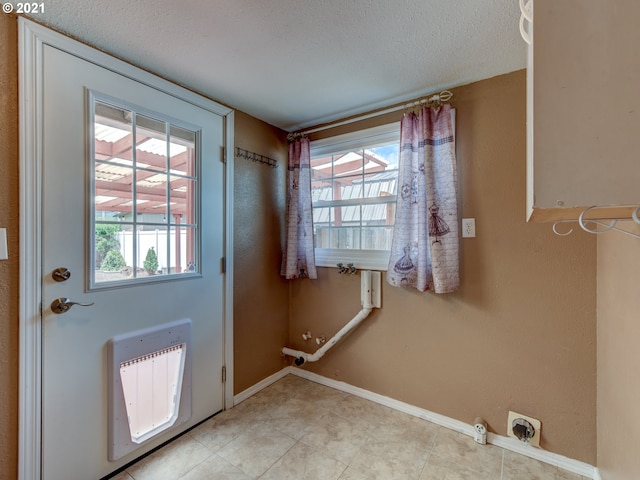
x=353, y=190
x=144, y=202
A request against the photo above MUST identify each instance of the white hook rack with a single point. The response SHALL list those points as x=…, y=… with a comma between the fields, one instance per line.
x=606, y=227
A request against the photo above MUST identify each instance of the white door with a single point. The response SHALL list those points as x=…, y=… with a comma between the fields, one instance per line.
x=139, y=226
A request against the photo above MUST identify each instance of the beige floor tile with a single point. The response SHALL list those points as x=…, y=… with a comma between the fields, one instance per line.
x=464, y=452
x=312, y=393
x=281, y=390
x=295, y=428
x=256, y=449
x=322, y=396
x=218, y=431
x=337, y=437
x=304, y=463
x=388, y=461
x=300, y=430
x=441, y=469
x=294, y=418
x=519, y=467
x=352, y=473
x=398, y=426
x=361, y=410
x=216, y=468
x=255, y=403
x=171, y=462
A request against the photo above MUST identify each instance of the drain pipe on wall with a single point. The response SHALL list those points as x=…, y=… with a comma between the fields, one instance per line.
x=370, y=299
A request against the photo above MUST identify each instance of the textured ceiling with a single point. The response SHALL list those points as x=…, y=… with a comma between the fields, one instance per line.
x=297, y=63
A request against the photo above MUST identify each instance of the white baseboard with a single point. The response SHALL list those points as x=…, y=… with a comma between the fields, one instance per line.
x=511, y=444
x=560, y=461
x=262, y=384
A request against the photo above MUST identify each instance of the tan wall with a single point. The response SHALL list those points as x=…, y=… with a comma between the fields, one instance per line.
x=260, y=294
x=518, y=335
x=618, y=355
x=461, y=355
x=9, y=268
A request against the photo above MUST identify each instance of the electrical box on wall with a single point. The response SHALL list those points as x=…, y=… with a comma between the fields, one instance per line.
x=524, y=428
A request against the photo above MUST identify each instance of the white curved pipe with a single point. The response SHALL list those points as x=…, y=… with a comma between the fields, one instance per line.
x=367, y=306
x=318, y=354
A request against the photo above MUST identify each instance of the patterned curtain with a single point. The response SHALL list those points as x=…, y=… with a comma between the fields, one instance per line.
x=424, y=250
x=298, y=259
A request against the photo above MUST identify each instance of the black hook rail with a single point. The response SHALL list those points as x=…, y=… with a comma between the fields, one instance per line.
x=256, y=157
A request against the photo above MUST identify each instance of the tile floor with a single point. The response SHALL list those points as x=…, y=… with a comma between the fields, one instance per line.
x=299, y=430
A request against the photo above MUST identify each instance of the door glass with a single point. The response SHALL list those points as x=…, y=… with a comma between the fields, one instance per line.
x=144, y=197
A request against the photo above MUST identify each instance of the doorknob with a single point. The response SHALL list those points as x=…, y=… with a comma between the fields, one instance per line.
x=62, y=305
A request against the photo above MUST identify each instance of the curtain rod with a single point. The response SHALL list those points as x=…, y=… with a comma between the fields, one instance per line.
x=438, y=98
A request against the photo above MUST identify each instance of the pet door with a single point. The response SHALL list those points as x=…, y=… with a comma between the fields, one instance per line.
x=150, y=384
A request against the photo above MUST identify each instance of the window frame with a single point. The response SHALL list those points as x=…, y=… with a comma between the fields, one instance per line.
x=362, y=259
x=95, y=97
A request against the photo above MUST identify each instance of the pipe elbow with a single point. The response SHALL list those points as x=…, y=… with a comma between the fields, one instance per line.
x=299, y=357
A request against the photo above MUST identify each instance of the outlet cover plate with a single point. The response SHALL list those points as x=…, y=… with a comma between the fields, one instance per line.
x=468, y=228
x=535, y=440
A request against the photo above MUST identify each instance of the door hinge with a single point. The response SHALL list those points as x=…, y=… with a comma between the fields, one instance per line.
x=223, y=265
x=224, y=374
x=223, y=153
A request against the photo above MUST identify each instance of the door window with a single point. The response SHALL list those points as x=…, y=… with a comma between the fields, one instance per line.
x=144, y=196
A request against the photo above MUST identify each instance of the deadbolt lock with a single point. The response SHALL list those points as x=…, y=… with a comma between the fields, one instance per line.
x=61, y=274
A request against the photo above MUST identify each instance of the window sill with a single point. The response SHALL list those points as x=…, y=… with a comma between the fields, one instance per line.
x=361, y=259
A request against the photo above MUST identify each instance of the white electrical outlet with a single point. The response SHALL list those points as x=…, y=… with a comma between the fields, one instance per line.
x=480, y=431
x=468, y=228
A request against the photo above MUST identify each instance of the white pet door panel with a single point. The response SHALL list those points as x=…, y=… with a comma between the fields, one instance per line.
x=150, y=384
x=151, y=389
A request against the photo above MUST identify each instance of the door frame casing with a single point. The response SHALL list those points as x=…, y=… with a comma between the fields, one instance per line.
x=32, y=38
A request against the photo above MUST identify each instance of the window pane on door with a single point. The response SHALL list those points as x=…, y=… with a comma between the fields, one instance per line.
x=183, y=144
x=183, y=257
x=182, y=194
x=113, y=191
x=151, y=144
x=147, y=192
